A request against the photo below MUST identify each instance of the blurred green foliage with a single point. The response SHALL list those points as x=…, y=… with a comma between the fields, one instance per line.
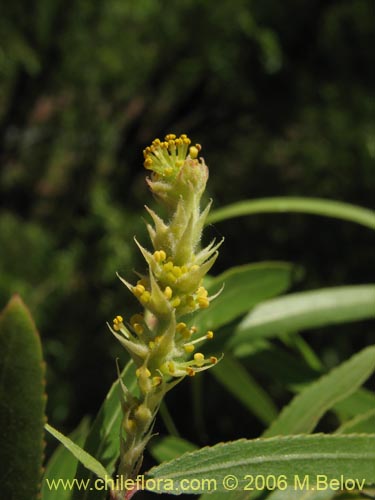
x=279, y=94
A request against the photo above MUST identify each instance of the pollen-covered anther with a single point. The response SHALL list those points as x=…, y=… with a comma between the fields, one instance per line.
x=138, y=290
x=145, y=297
x=168, y=292
x=203, y=302
x=118, y=322
x=160, y=256
x=189, y=348
x=176, y=302
x=199, y=359
x=143, y=372
x=190, y=371
x=210, y=335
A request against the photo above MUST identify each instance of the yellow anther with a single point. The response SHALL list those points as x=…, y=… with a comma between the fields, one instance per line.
x=156, y=381
x=190, y=301
x=180, y=326
x=145, y=297
x=189, y=348
x=203, y=302
x=199, y=359
x=138, y=289
x=193, y=151
x=143, y=372
x=190, y=371
x=210, y=335
x=168, y=266
x=184, y=269
x=148, y=163
x=177, y=271
x=176, y=302
x=130, y=426
x=138, y=328
x=171, y=278
x=170, y=137
x=143, y=413
x=202, y=292
x=119, y=319
x=193, y=329
x=168, y=292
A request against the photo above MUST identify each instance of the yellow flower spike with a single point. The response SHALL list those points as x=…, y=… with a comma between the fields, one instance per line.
x=210, y=335
x=168, y=292
x=189, y=348
x=203, y=302
x=199, y=359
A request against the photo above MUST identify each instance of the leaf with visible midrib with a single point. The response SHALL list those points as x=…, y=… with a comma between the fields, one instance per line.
x=22, y=403
x=352, y=456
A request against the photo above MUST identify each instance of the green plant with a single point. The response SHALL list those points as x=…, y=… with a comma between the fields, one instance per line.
x=288, y=460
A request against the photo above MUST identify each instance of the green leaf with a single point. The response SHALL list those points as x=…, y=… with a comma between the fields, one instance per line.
x=103, y=440
x=234, y=377
x=305, y=410
x=350, y=456
x=299, y=311
x=315, y=206
x=63, y=465
x=85, y=458
x=22, y=404
x=363, y=423
x=170, y=447
x=244, y=286
x=295, y=494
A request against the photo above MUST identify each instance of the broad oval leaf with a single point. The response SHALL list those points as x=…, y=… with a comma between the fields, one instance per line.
x=350, y=456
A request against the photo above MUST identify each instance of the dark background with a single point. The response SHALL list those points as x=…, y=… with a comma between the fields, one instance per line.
x=280, y=95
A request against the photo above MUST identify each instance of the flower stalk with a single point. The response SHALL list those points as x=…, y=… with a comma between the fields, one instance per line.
x=161, y=345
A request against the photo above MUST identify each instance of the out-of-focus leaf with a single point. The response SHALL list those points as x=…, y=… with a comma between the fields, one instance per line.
x=22, y=404
x=305, y=310
x=362, y=423
x=234, y=377
x=315, y=206
x=170, y=447
x=305, y=410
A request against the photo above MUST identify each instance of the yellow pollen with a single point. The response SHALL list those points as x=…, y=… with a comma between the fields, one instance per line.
x=189, y=348
x=145, y=297
x=210, y=335
x=193, y=151
x=203, y=302
x=171, y=278
x=168, y=292
x=180, y=326
x=138, y=289
x=199, y=358
x=177, y=271
x=168, y=266
x=170, y=137
x=202, y=292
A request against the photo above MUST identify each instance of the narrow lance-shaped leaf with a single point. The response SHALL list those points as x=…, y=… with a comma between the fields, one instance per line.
x=63, y=465
x=22, y=404
x=170, y=447
x=315, y=206
x=85, y=458
x=299, y=311
x=232, y=375
x=305, y=410
x=318, y=457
